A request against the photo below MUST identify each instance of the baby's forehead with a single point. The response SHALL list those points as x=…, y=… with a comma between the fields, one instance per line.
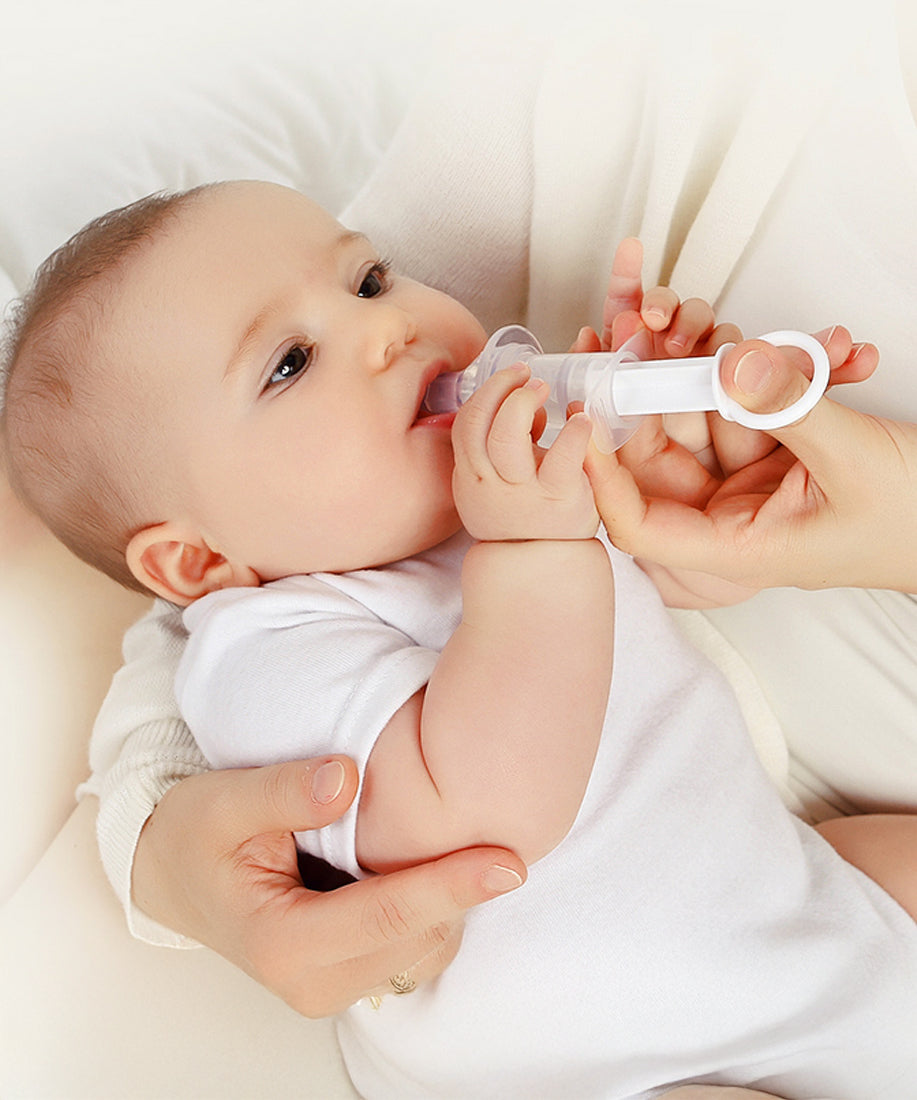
x=246, y=207
x=241, y=230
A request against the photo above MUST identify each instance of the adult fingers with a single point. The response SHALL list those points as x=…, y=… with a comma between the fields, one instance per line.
x=850, y=362
x=281, y=797
x=395, y=918
x=781, y=376
x=429, y=963
x=625, y=285
x=658, y=307
x=775, y=383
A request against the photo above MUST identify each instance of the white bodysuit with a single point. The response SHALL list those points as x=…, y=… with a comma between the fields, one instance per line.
x=504, y=188
x=687, y=928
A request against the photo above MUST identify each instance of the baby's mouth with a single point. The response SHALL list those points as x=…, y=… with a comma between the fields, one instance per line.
x=431, y=406
x=441, y=396
x=431, y=419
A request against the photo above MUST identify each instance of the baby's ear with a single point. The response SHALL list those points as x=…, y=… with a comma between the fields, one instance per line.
x=178, y=565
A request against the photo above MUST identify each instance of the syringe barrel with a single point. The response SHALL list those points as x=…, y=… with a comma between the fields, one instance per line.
x=619, y=388
x=682, y=385
x=586, y=379
x=571, y=378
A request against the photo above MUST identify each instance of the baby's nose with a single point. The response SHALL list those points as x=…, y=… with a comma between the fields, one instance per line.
x=393, y=335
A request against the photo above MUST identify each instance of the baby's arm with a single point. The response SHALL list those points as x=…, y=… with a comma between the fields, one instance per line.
x=215, y=859
x=500, y=745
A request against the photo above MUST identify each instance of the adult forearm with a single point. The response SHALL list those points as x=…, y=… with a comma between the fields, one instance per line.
x=525, y=678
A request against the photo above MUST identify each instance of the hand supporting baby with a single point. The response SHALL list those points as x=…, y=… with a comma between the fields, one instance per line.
x=217, y=862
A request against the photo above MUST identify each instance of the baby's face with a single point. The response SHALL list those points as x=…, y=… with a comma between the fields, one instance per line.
x=285, y=368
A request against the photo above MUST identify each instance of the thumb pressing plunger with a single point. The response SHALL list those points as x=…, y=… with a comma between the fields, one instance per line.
x=618, y=388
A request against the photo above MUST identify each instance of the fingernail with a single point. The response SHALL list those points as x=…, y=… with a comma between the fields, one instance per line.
x=500, y=880
x=753, y=372
x=856, y=349
x=328, y=782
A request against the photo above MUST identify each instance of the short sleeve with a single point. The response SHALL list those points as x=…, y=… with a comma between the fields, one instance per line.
x=293, y=670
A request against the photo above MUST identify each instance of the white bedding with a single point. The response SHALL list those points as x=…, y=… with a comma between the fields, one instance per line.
x=105, y=102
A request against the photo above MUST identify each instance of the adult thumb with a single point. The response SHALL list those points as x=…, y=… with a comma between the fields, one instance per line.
x=765, y=379
x=761, y=377
x=291, y=797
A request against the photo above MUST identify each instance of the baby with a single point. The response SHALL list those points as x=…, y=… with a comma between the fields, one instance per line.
x=218, y=397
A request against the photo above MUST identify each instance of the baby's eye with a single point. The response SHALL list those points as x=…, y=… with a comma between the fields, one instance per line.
x=295, y=361
x=375, y=282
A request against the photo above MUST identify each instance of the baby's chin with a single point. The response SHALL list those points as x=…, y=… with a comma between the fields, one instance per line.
x=418, y=543
x=386, y=552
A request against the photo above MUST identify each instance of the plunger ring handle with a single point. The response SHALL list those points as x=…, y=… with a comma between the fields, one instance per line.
x=730, y=409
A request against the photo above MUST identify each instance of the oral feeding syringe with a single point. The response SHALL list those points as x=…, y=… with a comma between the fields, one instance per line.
x=618, y=388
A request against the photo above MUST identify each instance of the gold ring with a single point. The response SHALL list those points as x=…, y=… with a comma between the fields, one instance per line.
x=402, y=983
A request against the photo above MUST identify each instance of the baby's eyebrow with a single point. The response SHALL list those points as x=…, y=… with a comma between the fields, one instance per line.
x=249, y=337
x=349, y=236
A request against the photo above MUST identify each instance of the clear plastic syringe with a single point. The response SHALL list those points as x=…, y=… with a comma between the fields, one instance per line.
x=618, y=388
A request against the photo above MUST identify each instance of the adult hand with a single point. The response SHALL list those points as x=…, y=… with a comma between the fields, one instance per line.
x=667, y=328
x=217, y=862
x=830, y=503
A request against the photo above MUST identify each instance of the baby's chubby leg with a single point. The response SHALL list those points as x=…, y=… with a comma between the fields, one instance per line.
x=883, y=846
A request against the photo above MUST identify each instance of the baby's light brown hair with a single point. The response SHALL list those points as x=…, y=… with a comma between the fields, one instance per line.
x=65, y=456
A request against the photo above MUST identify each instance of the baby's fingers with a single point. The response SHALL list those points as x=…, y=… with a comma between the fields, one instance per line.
x=509, y=443
x=561, y=468
x=475, y=419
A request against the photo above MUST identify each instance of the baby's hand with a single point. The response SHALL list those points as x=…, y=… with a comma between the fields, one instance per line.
x=506, y=487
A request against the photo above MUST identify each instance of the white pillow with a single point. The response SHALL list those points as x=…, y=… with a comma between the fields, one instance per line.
x=103, y=102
